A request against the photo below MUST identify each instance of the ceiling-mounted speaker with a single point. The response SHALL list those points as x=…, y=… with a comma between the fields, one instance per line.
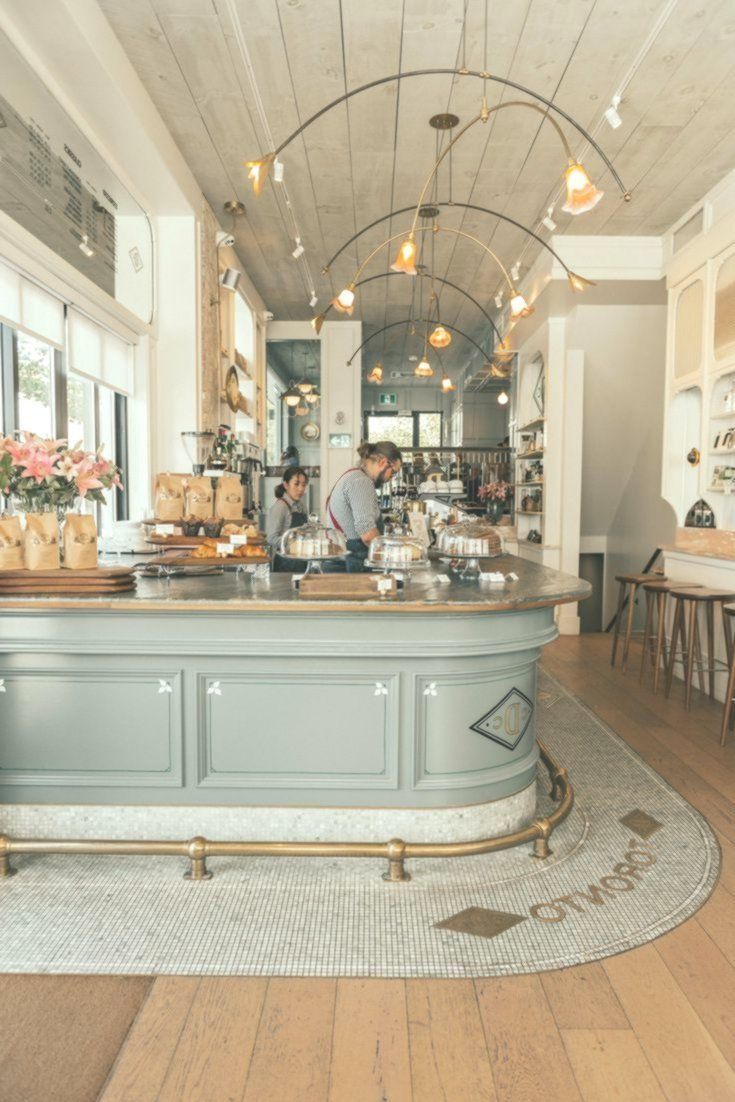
x=230, y=279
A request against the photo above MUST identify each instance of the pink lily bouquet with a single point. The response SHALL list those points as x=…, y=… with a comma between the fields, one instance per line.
x=47, y=474
x=494, y=491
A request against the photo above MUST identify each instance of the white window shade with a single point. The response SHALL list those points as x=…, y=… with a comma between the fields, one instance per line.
x=97, y=354
x=245, y=330
x=42, y=314
x=29, y=307
x=9, y=295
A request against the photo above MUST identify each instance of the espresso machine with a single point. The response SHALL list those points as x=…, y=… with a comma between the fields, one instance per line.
x=249, y=465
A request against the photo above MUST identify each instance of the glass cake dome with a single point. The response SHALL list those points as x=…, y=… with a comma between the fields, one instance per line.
x=470, y=538
x=396, y=552
x=314, y=542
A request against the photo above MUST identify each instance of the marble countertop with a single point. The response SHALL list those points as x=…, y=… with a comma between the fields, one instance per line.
x=537, y=587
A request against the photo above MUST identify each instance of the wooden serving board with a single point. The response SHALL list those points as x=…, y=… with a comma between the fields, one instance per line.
x=350, y=587
x=93, y=574
x=175, y=558
x=45, y=590
x=195, y=541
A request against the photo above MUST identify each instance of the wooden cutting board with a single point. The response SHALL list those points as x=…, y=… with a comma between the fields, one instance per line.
x=195, y=541
x=45, y=590
x=93, y=574
x=347, y=587
x=176, y=558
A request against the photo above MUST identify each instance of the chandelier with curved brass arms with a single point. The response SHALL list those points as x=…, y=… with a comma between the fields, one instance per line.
x=419, y=321
x=344, y=302
x=578, y=183
x=576, y=281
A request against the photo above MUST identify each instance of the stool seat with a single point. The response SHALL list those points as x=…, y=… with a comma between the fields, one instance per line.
x=666, y=585
x=639, y=579
x=703, y=594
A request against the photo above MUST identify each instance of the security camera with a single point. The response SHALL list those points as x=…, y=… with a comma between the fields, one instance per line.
x=268, y=315
x=225, y=239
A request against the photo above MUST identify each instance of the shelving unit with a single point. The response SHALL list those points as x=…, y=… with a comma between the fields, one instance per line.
x=530, y=441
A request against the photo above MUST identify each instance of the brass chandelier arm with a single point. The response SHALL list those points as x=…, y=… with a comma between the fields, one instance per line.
x=439, y=279
x=446, y=203
x=484, y=115
x=484, y=76
x=416, y=321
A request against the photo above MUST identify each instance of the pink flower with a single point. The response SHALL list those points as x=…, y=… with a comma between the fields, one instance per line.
x=86, y=478
x=39, y=465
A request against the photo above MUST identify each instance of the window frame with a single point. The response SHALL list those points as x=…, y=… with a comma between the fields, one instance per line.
x=415, y=414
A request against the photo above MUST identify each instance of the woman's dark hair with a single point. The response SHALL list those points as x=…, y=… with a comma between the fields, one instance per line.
x=288, y=474
x=386, y=448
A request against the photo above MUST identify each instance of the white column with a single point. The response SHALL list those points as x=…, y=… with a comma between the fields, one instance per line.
x=571, y=480
x=341, y=399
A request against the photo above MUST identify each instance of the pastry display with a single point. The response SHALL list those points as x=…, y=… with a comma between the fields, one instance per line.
x=396, y=552
x=471, y=538
x=313, y=543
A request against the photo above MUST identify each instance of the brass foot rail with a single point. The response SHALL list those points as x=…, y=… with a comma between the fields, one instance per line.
x=395, y=851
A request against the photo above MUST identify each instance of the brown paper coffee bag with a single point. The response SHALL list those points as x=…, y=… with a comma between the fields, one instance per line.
x=230, y=497
x=169, y=499
x=80, y=542
x=11, y=543
x=42, y=541
x=199, y=497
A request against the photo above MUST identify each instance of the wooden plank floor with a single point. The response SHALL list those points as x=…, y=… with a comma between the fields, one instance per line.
x=656, y=1023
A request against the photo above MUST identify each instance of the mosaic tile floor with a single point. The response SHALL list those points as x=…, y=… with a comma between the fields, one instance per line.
x=632, y=861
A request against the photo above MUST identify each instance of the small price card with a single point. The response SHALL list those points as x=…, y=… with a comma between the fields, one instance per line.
x=224, y=548
x=238, y=540
x=165, y=529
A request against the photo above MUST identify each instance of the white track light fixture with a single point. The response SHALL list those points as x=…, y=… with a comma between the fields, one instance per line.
x=612, y=115
x=85, y=247
x=548, y=221
x=515, y=271
x=299, y=250
x=230, y=279
x=313, y=301
x=278, y=171
x=499, y=300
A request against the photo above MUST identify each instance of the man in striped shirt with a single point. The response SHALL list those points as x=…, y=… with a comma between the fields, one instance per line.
x=352, y=506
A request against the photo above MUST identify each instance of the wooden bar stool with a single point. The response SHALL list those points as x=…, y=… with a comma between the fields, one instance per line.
x=654, y=639
x=685, y=633
x=728, y=615
x=629, y=584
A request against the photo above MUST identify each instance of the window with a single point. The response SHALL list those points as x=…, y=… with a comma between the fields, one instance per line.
x=63, y=376
x=414, y=430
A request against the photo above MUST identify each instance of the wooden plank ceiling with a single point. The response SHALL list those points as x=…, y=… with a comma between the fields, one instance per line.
x=370, y=156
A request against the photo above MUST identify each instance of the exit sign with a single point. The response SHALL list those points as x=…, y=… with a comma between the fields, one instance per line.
x=387, y=399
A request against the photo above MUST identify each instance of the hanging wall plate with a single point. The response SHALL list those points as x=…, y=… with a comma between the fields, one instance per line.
x=232, y=389
x=310, y=431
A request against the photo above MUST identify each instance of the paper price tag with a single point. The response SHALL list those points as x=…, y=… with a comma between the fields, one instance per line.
x=238, y=540
x=165, y=529
x=384, y=585
x=224, y=548
x=493, y=577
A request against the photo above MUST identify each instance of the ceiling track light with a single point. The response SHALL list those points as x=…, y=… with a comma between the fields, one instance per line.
x=612, y=115
x=313, y=300
x=278, y=171
x=499, y=300
x=516, y=270
x=85, y=247
x=548, y=221
x=230, y=279
x=299, y=250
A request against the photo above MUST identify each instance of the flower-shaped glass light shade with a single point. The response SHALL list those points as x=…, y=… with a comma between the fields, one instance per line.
x=291, y=397
x=313, y=397
x=447, y=384
x=376, y=375
x=519, y=308
x=440, y=337
x=423, y=370
x=503, y=398
x=344, y=302
x=259, y=171
x=582, y=195
x=578, y=282
x=406, y=259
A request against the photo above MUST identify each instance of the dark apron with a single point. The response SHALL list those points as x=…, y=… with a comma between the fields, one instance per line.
x=284, y=564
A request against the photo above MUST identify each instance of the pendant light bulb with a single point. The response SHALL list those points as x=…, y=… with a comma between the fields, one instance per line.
x=291, y=397
x=345, y=300
x=582, y=195
x=519, y=308
x=503, y=398
x=259, y=171
x=447, y=383
x=313, y=397
x=440, y=338
x=406, y=259
x=305, y=387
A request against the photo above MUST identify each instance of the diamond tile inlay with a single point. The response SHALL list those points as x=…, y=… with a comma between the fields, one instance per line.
x=480, y=922
x=508, y=721
x=640, y=823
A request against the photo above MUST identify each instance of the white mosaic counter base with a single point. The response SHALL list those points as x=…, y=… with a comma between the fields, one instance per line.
x=609, y=886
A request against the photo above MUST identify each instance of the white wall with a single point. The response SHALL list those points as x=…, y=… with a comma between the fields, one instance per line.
x=624, y=376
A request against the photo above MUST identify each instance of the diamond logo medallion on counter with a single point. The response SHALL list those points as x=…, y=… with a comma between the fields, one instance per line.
x=508, y=721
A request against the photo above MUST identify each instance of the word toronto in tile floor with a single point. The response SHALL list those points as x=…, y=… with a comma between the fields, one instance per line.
x=625, y=876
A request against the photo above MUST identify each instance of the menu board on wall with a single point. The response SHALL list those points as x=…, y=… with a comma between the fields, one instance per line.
x=56, y=185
